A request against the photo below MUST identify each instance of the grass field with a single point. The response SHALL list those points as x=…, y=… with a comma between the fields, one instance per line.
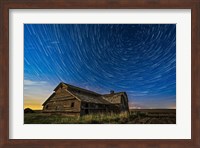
x=140, y=116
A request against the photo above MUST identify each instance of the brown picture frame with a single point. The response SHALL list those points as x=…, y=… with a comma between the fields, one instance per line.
x=5, y=5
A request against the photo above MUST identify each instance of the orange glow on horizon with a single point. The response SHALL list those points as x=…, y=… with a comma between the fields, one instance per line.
x=34, y=107
x=33, y=104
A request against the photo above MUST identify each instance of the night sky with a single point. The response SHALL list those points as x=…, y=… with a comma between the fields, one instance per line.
x=139, y=59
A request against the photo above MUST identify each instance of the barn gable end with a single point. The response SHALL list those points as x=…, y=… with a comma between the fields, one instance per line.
x=61, y=101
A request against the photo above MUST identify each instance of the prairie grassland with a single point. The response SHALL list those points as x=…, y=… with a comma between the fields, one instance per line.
x=42, y=118
x=135, y=117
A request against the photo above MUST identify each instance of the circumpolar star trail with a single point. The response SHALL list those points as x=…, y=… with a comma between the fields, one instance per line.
x=139, y=59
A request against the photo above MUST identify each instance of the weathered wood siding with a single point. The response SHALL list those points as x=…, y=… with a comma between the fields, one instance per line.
x=88, y=108
x=73, y=101
x=92, y=108
x=62, y=102
x=124, y=104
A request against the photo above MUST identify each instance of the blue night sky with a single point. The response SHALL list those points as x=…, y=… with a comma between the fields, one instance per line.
x=139, y=59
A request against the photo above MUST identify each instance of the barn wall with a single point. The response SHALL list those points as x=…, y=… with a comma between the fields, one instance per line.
x=88, y=108
x=124, y=104
x=62, y=102
x=92, y=108
x=72, y=105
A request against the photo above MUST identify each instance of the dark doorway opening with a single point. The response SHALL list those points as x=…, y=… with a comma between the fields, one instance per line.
x=72, y=104
x=86, y=110
x=47, y=106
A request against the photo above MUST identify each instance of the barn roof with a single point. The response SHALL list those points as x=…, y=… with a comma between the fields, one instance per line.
x=89, y=96
x=113, y=97
x=112, y=94
x=77, y=88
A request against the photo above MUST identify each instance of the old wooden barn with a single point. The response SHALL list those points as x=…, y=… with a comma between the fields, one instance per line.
x=73, y=100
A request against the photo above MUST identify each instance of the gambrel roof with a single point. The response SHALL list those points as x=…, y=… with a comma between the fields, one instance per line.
x=76, y=88
x=88, y=96
x=114, y=97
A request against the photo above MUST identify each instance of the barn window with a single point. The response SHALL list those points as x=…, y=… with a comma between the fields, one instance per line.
x=72, y=104
x=46, y=106
x=86, y=105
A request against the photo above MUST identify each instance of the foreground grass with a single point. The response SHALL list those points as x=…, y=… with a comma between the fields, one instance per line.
x=42, y=118
x=123, y=118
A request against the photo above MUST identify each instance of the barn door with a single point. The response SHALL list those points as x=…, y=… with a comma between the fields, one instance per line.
x=86, y=110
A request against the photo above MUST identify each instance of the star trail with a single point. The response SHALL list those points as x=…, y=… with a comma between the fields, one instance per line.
x=139, y=59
